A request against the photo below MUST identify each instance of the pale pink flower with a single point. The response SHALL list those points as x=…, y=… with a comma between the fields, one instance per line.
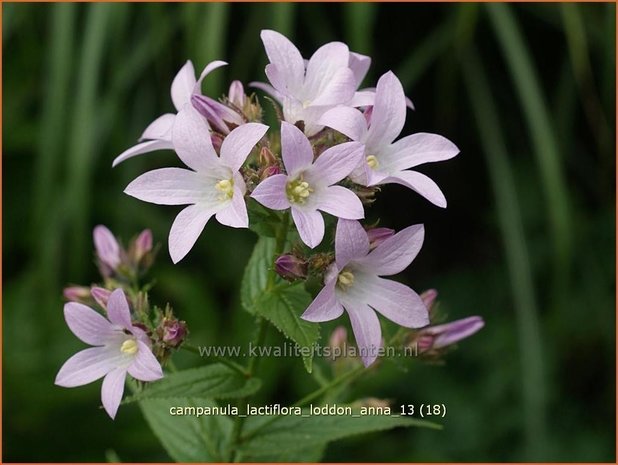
x=119, y=348
x=386, y=161
x=107, y=249
x=308, y=186
x=353, y=283
x=437, y=337
x=212, y=186
x=158, y=135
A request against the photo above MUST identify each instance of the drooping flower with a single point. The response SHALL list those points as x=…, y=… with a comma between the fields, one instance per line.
x=119, y=348
x=220, y=116
x=107, y=250
x=306, y=89
x=354, y=283
x=158, y=135
x=212, y=186
x=437, y=337
x=308, y=186
x=386, y=161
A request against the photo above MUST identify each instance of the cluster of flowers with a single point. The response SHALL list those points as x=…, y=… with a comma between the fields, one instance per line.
x=334, y=146
x=124, y=342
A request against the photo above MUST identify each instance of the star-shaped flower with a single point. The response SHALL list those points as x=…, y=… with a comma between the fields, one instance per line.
x=353, y=283
x=119, y=348
x=386, y=161
x=158, y=135
x=213, y=185
x=308, y=186
x=306, y=89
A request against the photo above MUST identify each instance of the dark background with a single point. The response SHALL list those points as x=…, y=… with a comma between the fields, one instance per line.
x=528, y=240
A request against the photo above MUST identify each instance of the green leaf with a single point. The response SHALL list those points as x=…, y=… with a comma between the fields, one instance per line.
x=215, y=381
x=262, y=221
x=188, y=438
x=293, y=436
x=283, y=304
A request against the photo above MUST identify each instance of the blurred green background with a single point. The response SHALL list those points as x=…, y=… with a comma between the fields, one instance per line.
x=528, y=241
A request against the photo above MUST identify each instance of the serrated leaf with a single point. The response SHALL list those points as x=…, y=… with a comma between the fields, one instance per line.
x=188, y=438
x=215, y=381
x=293, y=435
x=282, y=306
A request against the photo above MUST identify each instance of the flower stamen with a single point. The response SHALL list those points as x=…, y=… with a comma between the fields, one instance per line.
x=129, y=347
x=345, y=280
x=298, y=191
x=373, y=161
x=226, y=187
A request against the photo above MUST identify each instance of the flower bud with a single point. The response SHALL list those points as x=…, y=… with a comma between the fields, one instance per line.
x=339, y=337
x=174, y=332
x=269, y=171
x=76, y=293
x=429, y=298
x=236, y=95
x=437, y=337
x=378, y=235
x=207, y=107
x=217, y=140
x=101, y=295
x=142, y=245
x=107, y=250
x=290, y=267
x=266, y=157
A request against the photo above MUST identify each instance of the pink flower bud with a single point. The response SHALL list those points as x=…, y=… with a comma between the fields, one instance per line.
x=236, y=94
x=266, y=157
x=378, y=235
x=290, y=267
x=101, y=295
x=174, y=332
x=76, y=293
x=269, y=171
x=107, y=248
x=429, y=298
x=142, y=245
x=339, y=337
x=437, y=337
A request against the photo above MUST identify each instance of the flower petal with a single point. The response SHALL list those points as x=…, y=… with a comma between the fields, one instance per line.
x=419, y=183
x=238, y=144
x=347, y=121
x=167, y=186
x=351, y=242
x=359, y=64
x=420, y=148
x=191, y=138
x=145, y=366
x=367, y=331
x=396, y=253
x=389, y=112
x=210, y=67
x=340, y=202
x=323, y=66
x=118, y=310
x=141, y=148
x=270, y=90
x=450, y=333
x=182, y=85
x=286, y=57
x=161, y=128
x=310, y=225
x=186, y=228
x=106, y=246
x=338, y=89
x=295, y=149
x=335, y=163
x=362, y=98
x=87, y=324
x=234, y=214
x=87, y=366
x=112, y=390
x=271, y=192
x=325, y=306
x=276, y=78
x=394, y=300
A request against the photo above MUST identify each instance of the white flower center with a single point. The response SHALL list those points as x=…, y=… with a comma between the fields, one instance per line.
x=226, y=187
x=373, y=162
x=298, y=191
x=345, y=280
x=129, y=347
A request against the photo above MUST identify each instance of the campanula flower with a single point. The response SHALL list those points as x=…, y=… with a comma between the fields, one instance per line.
x=437, y=337
x=119, y=348
x=308, y=186
x=212, y=186
x=354, y=284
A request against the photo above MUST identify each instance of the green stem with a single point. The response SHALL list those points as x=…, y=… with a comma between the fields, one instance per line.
x=260, y=337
